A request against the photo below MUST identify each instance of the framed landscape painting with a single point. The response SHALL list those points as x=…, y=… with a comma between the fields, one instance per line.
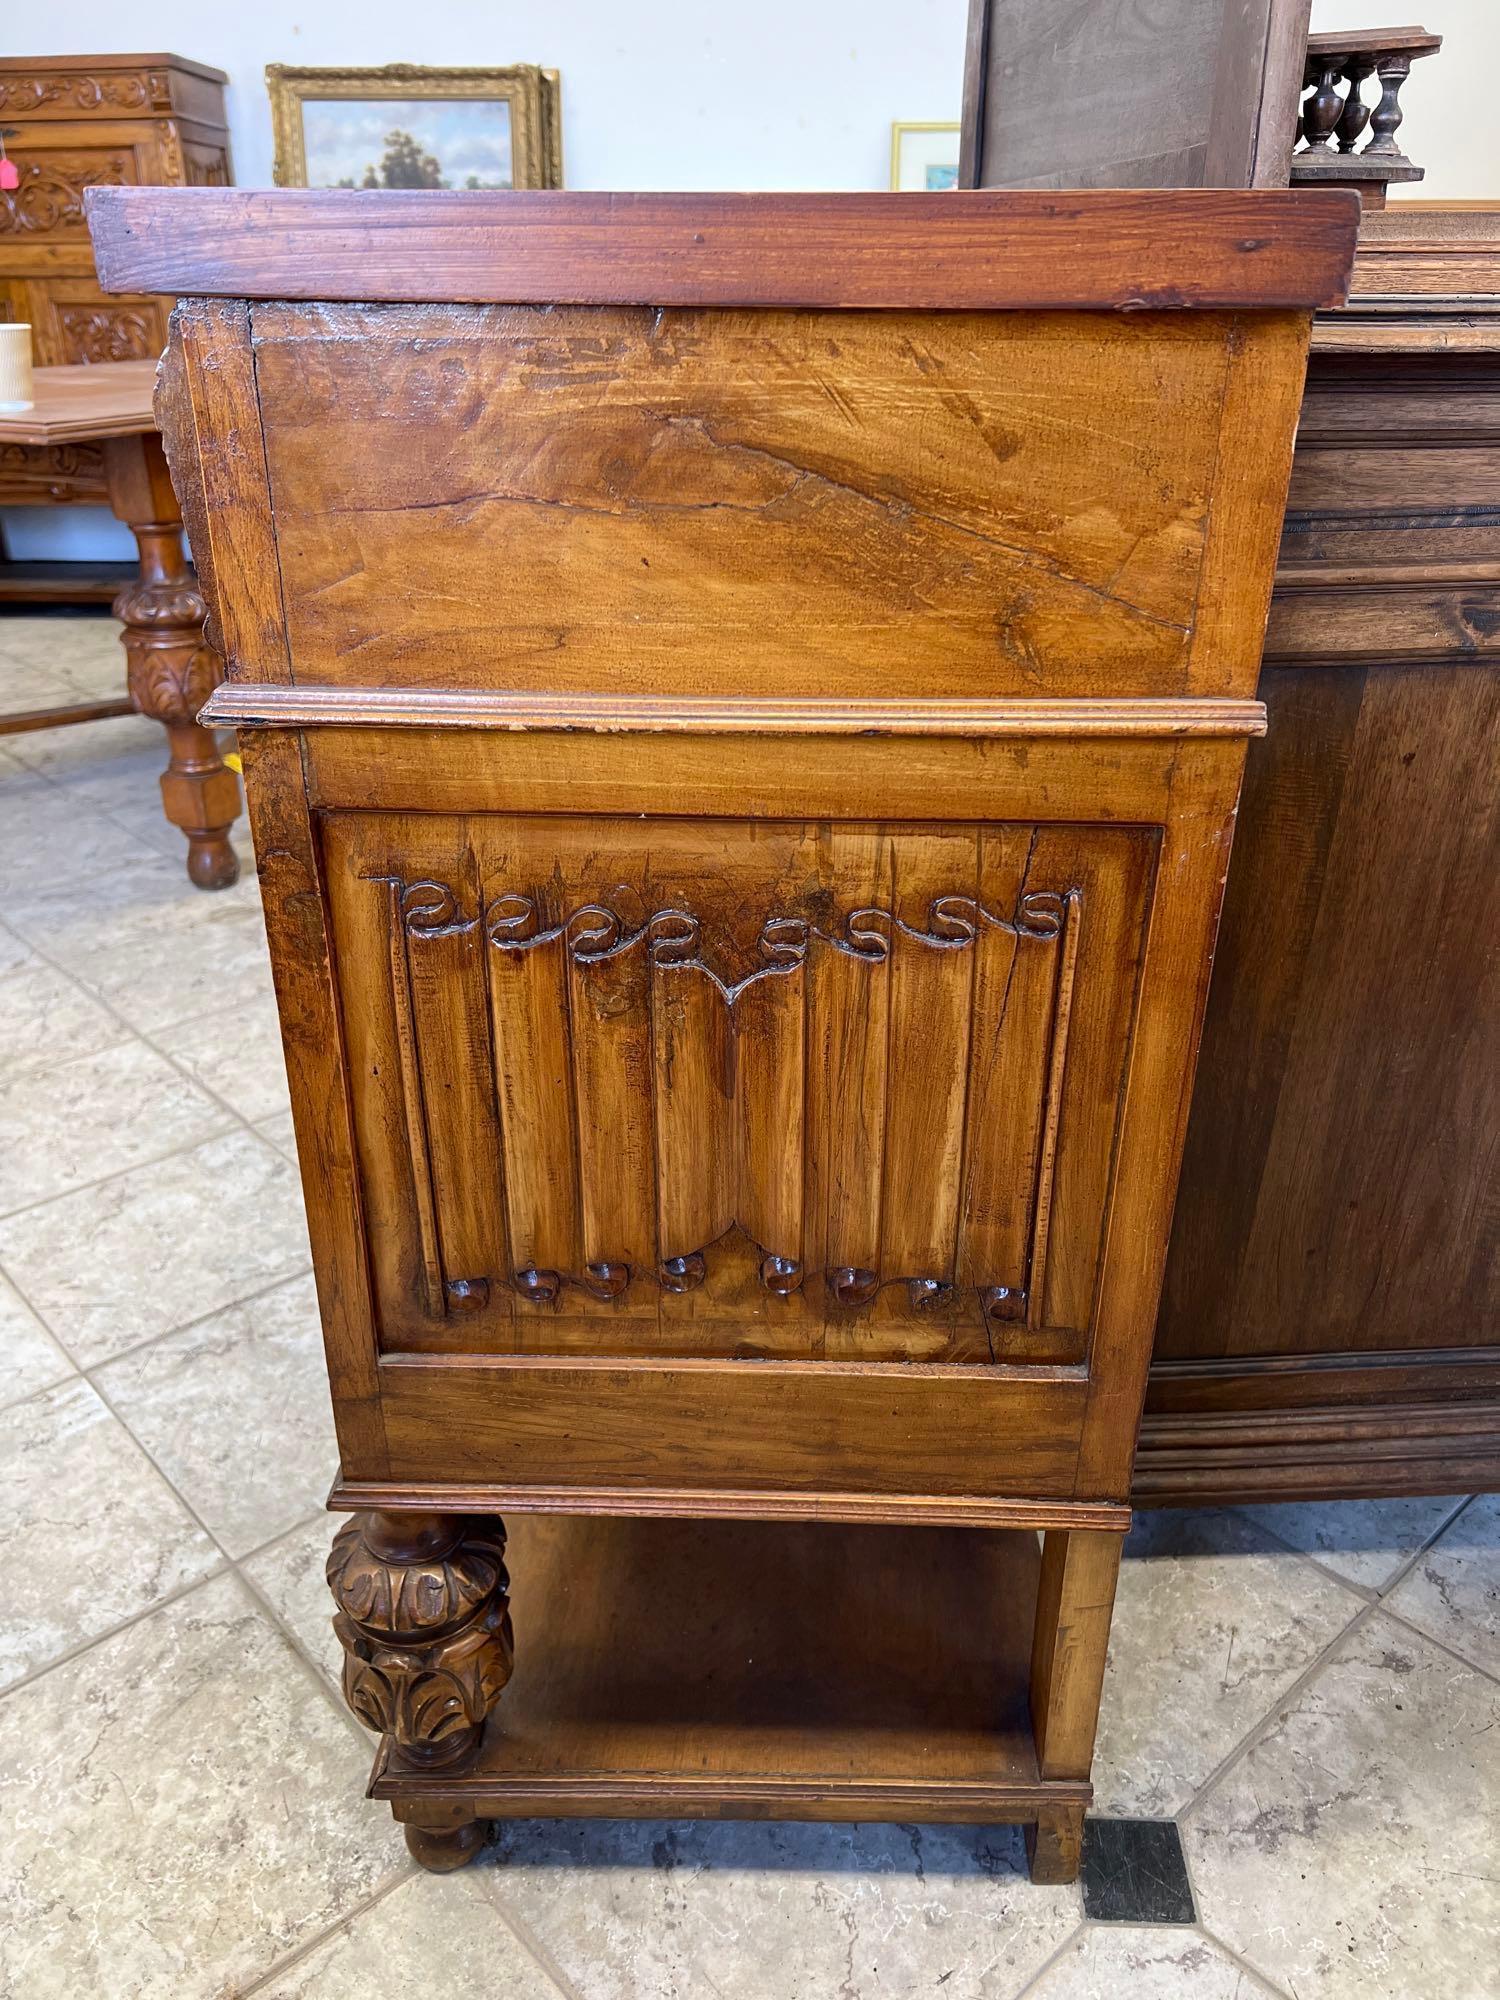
x=407, y=127
x=924, y=158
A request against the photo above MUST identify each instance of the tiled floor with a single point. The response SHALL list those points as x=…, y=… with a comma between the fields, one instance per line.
x=1311, y=1692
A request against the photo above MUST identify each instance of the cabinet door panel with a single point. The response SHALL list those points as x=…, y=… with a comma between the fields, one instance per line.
x=733, y=1087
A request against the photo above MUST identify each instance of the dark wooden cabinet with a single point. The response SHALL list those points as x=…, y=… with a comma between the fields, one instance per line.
x=1330, y=1321
x=743, y=701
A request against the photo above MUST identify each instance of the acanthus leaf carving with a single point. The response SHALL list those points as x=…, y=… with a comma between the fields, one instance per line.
x=50, y=194
x=425, y=1628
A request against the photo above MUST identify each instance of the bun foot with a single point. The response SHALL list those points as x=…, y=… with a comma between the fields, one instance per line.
x=212, y=863
x=443, y=1849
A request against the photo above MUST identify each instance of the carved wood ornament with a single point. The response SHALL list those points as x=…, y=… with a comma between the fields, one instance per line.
x=424, y=1621
x=763, y=1083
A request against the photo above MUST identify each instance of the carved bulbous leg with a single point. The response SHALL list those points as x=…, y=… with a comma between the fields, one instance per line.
x=172, y=668
x=172, y=672
x=424, y=1621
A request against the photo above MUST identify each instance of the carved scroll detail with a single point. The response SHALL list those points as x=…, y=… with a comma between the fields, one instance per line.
x=424, y=1620
x=50, y=196
x=428, y=913
x=593, y=932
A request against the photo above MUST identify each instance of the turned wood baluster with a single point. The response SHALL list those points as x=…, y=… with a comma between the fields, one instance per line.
x=1322, y=111
x=1356, y=113
x=171, y=669
x=424, y=1620
x=1393, y=70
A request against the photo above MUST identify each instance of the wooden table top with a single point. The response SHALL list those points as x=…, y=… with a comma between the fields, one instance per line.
x=86, y=400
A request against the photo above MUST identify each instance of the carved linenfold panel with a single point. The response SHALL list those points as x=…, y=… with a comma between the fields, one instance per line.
x=812, y=1091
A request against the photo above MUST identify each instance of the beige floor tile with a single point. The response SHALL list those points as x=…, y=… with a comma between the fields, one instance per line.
x=436, y=1934
x=32, y=679
x=1351, y=1854
x=106, y=764
x=291, y=1577
x=1454, y=1591
x=30, y=1359
x=146, y=941
x=1366, y=1541
x=1212, y=1623
x=92, y=1534
x=70, y=1123
x=46, y=1017
x=150, y=1250
x=800, y=1912
x=280, y=1132
x=235, y=1411
x=236, y=1053
x=183, y=1809
x=1123, y=1963
x=50, y=843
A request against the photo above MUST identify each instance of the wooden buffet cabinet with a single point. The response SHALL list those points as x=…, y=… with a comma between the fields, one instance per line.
x=743, y=702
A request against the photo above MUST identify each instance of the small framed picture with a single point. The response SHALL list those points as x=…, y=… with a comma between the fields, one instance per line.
x=406, y=127
x=924, y=158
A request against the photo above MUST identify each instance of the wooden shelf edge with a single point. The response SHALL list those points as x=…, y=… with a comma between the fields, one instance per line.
x=250, y=705
x=671, y=1503
x=607, y=1795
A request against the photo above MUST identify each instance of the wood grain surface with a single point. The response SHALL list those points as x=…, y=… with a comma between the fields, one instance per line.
x=1106, y=250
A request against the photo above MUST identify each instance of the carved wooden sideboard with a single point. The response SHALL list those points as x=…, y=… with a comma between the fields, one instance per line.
x=743, y=702
x=77, y=122
x=72, y=123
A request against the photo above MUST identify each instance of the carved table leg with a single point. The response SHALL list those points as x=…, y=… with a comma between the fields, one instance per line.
x=172, y=669
x=424, y=1621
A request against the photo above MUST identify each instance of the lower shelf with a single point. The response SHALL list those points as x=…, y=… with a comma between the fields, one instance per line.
x=756, y=1670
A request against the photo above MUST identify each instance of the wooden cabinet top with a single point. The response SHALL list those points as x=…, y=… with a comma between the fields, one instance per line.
x=1114, y=249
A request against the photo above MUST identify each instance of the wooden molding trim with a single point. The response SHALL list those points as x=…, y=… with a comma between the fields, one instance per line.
x=694, y=1503
x=1104, y=250
x=251, y=705
x=1336, y=1452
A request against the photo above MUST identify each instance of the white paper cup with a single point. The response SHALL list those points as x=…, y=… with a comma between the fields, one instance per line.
x=15, y=365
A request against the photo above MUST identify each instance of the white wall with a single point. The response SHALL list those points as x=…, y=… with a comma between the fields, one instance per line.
x=773, y=94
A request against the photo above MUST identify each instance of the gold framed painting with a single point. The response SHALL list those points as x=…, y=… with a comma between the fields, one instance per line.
x=924, y=158
x=408, y=127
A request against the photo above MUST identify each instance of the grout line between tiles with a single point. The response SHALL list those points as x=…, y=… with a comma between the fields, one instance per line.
x=1243, y=1964
x=187, y=1325
x=522, y=1931
x=307, y=1663
x=1284, y=1700
x=1421, y=1632
x=1069, y=1943
x=214, y=1575
x=1372, y=1594
x=1399, y=1576
x=293, y=1959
